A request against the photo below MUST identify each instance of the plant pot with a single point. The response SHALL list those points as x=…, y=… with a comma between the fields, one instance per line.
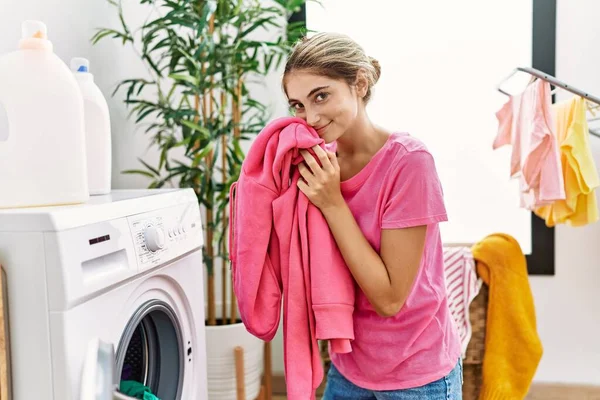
x=221, y=340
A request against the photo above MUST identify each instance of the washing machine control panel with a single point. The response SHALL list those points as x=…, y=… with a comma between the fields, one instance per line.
x=165, y=234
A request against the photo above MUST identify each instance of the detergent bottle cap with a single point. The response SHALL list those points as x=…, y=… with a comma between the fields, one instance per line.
x=32, y=29
x=80, y=64
x=34, y=36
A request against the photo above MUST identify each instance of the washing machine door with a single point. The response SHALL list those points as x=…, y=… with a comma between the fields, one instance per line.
x=97, y=380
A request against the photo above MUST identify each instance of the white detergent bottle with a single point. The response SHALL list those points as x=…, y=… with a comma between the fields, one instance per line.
x=97, y=129
x=42, y=137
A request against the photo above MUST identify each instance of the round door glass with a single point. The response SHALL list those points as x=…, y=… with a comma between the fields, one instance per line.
x=151, y=357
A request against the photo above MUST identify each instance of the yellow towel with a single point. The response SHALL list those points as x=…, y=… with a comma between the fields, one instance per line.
x=512, y=346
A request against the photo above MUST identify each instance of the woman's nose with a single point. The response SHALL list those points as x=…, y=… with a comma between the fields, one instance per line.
x=312, y=118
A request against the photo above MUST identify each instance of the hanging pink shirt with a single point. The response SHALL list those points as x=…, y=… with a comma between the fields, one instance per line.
x=525, y=121
x=399, y=188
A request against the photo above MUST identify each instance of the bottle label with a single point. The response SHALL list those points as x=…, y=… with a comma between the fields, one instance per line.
x=3, y=123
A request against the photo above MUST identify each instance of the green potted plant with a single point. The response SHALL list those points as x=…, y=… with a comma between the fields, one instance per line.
x=196, y=104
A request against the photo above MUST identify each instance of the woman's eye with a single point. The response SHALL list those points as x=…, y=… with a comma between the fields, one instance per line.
x=296, y=108
x=321, y=97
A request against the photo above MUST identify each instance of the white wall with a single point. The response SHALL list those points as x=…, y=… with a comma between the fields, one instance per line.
x=567, y=304
x=447, y=64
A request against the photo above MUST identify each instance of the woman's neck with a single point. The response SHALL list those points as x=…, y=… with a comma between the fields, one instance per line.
x=363, y=139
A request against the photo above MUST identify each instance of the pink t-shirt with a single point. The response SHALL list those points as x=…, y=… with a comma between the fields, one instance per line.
x=525, y=121
x=399, y=188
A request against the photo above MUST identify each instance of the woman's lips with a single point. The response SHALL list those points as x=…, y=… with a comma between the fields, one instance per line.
x=323, y=128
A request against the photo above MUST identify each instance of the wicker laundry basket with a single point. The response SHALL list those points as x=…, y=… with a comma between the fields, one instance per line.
x=325, y=355
x=473, y=362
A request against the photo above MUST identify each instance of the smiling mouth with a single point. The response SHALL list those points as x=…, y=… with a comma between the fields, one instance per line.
x=323, y=127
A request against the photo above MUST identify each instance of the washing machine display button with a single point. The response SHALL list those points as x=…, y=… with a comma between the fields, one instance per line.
x=154, y=238
x=177, y=233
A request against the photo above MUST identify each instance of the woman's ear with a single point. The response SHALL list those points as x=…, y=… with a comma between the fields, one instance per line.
x=362, y=83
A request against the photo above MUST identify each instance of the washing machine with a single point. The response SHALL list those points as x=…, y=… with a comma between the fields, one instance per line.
x=104, y=294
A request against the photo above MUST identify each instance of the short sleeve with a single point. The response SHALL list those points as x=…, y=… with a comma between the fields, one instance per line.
x=413, y=193
x=505, y=121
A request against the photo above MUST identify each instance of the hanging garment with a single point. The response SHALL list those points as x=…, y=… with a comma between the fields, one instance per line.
x=512, y=345
x=579, y=170
x=525, y=122
x=280, y=244
x=462, y=287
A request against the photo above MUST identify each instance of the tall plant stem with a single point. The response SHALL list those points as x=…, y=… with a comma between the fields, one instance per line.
x=224, y=220
x=206, y=114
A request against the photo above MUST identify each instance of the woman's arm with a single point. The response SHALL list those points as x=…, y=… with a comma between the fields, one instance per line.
x=385, y=279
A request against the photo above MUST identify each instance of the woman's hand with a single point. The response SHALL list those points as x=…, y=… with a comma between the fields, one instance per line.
x=321, y=184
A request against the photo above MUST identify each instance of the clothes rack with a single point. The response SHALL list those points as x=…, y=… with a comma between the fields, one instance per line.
x=553, y=81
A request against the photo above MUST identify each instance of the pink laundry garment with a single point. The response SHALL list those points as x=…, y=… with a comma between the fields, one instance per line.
x=526, y=123
x=399, y=188
x=463, y=286
x=280, y=243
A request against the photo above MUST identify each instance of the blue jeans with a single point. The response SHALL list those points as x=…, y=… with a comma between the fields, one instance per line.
x=446, y=388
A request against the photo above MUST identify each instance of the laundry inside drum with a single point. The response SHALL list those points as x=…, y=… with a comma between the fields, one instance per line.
x=150, y=356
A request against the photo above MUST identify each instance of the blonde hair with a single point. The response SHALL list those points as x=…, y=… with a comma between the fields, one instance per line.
x=336, y=56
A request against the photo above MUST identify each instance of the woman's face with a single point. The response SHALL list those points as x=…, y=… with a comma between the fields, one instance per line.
x=328, y=105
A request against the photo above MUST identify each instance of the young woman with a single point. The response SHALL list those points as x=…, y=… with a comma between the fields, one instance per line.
x=380, y=194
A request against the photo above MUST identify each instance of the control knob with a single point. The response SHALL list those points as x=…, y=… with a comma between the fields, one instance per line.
x=154, y=237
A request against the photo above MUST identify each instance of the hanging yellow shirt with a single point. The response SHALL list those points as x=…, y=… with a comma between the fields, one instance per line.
x=579, y=170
